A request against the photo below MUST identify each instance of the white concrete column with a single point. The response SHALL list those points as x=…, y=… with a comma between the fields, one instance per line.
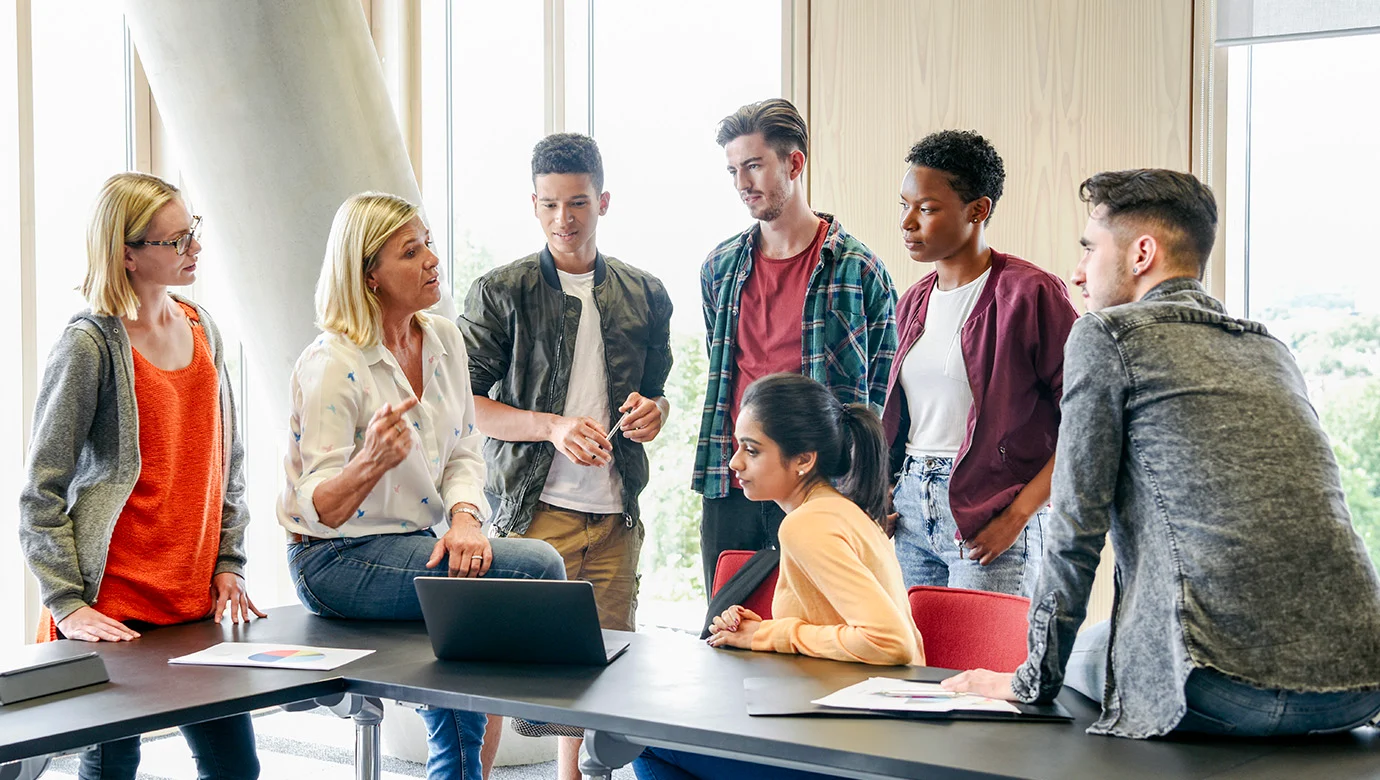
x=278, y=111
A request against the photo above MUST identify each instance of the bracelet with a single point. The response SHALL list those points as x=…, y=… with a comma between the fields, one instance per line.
x=471, y=511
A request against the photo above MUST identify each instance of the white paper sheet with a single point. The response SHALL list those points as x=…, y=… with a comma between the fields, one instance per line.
x=273, y=656
x=884, y=693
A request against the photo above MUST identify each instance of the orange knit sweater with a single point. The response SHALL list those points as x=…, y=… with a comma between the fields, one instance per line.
x=840, y=594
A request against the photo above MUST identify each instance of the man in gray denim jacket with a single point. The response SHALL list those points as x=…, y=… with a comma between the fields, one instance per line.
x=1245, y=602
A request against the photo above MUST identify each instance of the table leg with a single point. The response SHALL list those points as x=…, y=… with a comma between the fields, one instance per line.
x=367, y=713
x=603, y=752
x=368, y=761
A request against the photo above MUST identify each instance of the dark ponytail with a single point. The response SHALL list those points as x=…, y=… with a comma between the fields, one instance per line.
x=865, y=478
x=801, y=415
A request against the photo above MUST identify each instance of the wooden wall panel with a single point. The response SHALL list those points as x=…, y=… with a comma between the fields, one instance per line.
x=1062, y=88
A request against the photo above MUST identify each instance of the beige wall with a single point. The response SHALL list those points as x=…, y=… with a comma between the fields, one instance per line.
x=1062, y=88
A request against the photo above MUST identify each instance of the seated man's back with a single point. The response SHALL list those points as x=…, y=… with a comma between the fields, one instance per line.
x=1232, y=492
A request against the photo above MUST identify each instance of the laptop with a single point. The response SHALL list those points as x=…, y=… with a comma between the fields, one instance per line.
x=515, y=621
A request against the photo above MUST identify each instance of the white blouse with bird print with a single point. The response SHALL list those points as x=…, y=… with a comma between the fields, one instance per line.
x=336, y=388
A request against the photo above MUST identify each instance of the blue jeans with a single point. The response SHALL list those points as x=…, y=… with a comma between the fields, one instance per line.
x=223, y=749
x=926, y=537
x=663, y=764
x=370, y=578
x=1220, y=705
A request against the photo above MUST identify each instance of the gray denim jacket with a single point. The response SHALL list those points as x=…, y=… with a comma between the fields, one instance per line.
x=84, y=461
x=1189, y=436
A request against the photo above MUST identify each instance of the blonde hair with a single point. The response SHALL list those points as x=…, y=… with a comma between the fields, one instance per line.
x=122, y=215
x=362, y=225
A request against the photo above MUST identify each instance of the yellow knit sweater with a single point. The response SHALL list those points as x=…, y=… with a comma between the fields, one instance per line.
x=840, y=594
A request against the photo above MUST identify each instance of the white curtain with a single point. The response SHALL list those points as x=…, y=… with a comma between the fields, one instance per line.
x=1259, y=21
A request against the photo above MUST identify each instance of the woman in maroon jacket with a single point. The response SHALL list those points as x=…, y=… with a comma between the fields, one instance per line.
x=972, y=408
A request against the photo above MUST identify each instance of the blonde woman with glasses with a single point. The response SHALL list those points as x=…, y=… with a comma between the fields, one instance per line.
x=383, y=449
x=133, y=514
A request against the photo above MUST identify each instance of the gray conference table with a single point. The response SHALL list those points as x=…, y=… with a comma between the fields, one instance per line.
x=667, y=690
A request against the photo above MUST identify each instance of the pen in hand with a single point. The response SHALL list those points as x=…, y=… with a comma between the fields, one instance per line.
x=617, y=426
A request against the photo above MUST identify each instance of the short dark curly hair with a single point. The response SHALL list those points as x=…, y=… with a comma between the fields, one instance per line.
x=975, y=169
x=568, y=153
x=1174, y=202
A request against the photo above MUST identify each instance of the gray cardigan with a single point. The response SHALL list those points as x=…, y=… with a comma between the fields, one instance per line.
x=84, y=461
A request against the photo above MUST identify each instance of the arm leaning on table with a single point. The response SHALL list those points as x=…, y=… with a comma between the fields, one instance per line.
x=462, y=490
x=1087, y=459
x=874, y=631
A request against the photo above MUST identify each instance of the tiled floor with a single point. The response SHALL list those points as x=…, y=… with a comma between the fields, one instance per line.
x=312, y=745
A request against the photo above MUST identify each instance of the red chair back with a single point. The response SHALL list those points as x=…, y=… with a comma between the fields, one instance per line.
x=730, y=561
x=970, y=629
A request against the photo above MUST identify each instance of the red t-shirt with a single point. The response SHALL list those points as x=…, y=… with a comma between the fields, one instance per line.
x=771, y=319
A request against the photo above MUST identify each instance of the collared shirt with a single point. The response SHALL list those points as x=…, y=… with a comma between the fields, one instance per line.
x=1187, y=435
x=336, y=388
x=848, y=334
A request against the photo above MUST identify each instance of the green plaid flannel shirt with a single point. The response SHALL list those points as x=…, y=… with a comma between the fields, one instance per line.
x=848, y=335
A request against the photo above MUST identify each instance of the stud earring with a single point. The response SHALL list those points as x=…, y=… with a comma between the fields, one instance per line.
x=800, y=473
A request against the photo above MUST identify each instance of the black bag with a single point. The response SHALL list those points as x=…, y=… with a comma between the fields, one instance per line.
x=741, y=585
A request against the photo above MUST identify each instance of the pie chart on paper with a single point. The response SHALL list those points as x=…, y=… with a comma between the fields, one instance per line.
x=287, y=656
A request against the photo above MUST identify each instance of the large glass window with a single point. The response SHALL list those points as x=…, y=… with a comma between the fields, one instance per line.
x=476, y=178
x=661, y=81
x=79, y=138
x=1304, y=153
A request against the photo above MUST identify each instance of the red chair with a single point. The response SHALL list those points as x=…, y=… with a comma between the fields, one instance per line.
x=730, y=561
x=970, y=629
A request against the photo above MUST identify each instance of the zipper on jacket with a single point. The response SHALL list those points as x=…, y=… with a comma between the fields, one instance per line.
x=608, y=391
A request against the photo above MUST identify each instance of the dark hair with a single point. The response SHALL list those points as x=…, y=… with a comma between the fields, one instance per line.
x=801, y=415
x=1176, y=203
x=975, y=169
x=777, y=120
x=568, y=153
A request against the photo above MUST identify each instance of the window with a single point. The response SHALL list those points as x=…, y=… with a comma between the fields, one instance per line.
x=1303, y=152
x=660, y=83
x=650, y=83
x=476, y=176
x=80, y=137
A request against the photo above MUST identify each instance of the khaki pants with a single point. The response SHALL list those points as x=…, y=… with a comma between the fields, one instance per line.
x=600, y=549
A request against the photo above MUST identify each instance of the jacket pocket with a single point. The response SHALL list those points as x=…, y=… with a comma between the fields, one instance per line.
x=1022, y=460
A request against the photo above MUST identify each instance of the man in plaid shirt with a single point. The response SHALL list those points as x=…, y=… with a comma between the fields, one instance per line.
x=794, y=292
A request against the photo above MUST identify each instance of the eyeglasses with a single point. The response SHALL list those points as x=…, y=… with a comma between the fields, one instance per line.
x=180, y=243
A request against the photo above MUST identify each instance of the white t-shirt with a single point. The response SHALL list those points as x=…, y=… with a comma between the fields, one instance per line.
x=596, y=489
x=935, y=376
x=336, y=388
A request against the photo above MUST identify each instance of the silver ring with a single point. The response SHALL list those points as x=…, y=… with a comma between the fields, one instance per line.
x=401, y=428
x=476, y=557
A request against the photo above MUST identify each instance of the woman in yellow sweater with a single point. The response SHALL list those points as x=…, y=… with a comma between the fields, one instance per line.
x=840, y=594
